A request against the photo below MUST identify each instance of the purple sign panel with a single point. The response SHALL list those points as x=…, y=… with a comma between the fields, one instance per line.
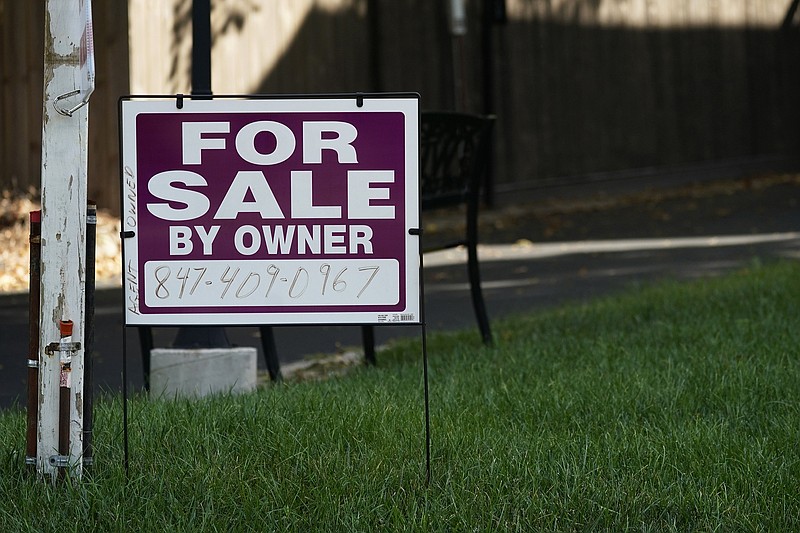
x=271, y=211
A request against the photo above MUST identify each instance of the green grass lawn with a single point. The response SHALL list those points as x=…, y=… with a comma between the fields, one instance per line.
x=671, y=408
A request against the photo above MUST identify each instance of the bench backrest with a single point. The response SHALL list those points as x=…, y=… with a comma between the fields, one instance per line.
x=454, y=149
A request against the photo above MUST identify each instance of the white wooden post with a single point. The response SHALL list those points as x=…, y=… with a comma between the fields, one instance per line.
x=63, y=252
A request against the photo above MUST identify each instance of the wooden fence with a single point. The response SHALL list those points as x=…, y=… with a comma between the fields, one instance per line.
x=579, y=86
x=22, y=34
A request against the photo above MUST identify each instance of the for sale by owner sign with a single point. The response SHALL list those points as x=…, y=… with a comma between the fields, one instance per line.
x=270, y=210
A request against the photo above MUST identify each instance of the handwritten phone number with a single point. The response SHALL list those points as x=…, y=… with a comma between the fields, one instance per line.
x=259, y=283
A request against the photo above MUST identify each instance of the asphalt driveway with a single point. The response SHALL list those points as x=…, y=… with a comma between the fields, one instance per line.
x=534, y=255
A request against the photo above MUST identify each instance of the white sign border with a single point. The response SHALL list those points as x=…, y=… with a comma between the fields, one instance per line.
x=406, y=103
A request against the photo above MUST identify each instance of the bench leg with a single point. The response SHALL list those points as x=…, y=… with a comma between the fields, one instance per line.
x=477, y=295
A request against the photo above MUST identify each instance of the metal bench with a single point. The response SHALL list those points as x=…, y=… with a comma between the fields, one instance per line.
x=453, y=159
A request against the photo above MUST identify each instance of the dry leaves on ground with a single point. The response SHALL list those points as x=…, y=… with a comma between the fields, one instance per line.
x=15, y=252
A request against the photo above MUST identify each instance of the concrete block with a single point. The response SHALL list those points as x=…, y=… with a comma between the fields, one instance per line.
x=184, y=372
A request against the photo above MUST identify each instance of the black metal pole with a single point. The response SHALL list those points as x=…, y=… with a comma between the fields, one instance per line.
x=125, y=451
x=425, y=376
x=487, y=56
x=33, y=340
x=375, y=48
x=88, y=369
x=201, y=47
x=196, y=336
x=494, y=12
x=788, y=20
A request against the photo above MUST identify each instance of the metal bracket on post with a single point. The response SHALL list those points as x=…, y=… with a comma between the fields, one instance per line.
x=68, y=112
x=65, y=348
x=59, y=461
x=54, y=347
x=87, y=66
